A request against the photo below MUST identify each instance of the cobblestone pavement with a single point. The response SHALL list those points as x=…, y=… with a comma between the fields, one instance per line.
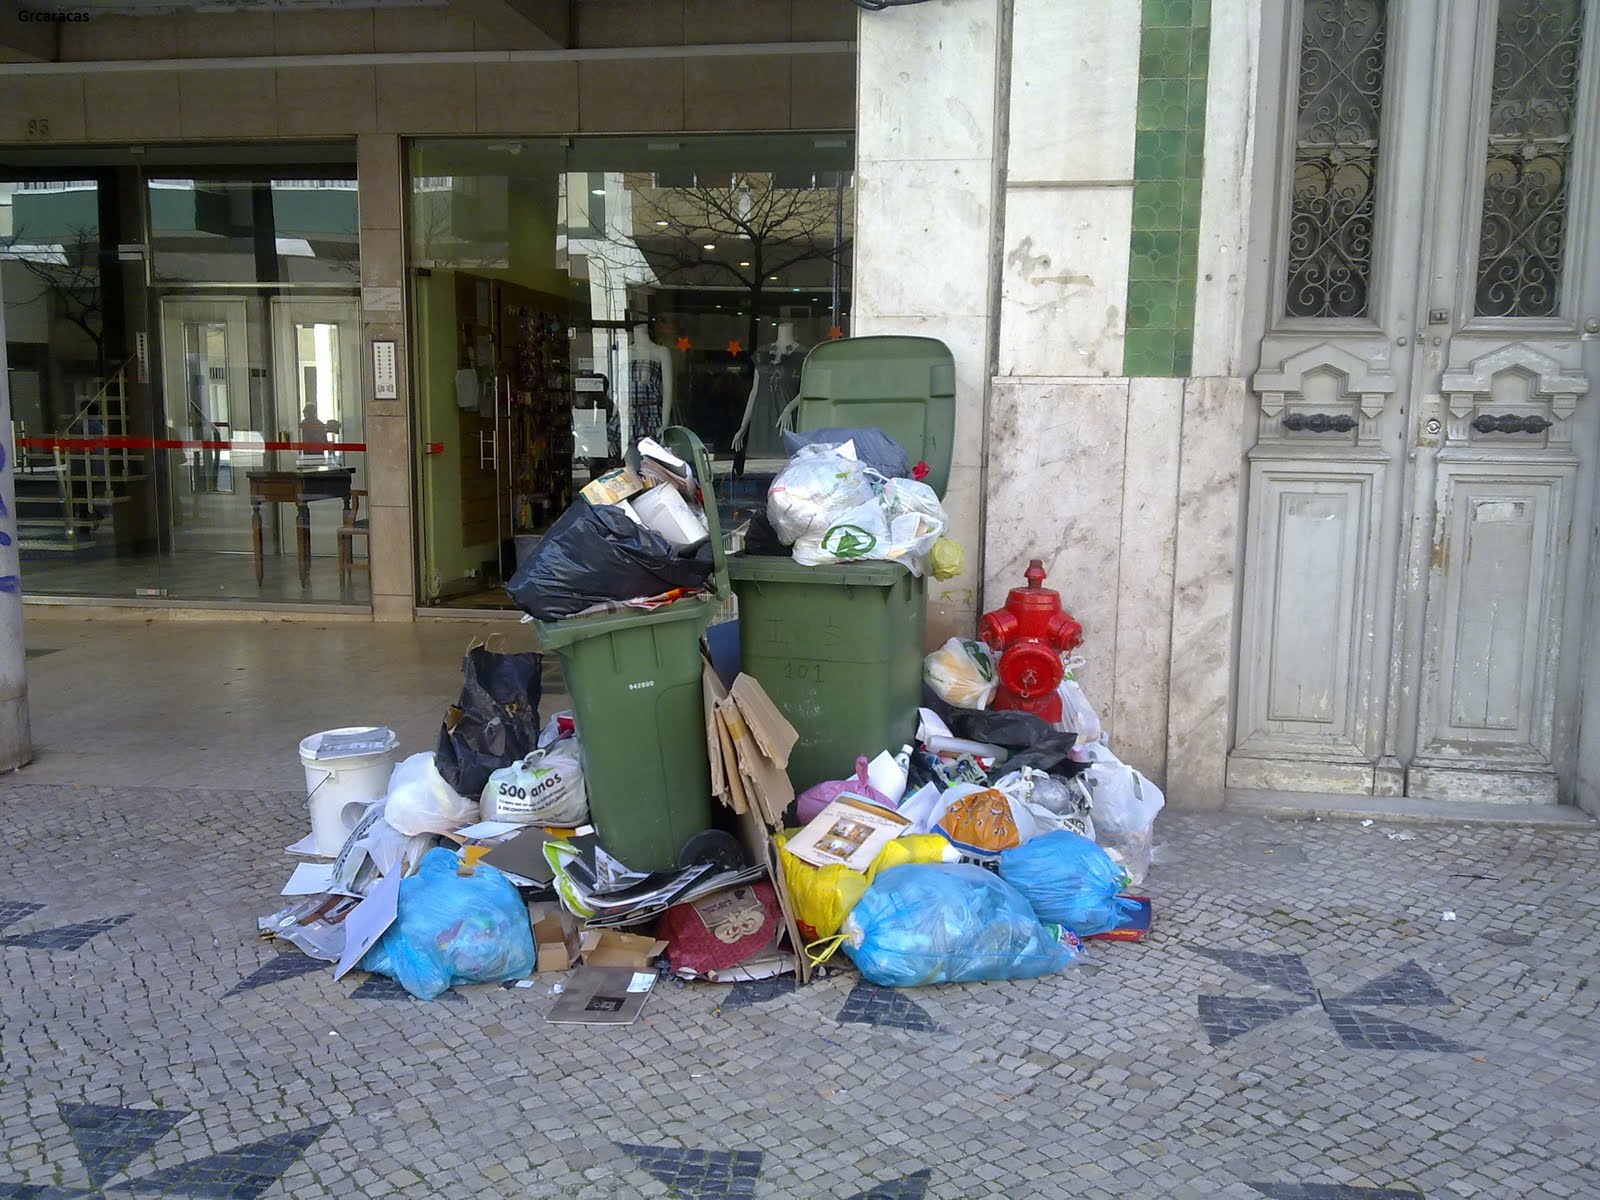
x=1302, y=1025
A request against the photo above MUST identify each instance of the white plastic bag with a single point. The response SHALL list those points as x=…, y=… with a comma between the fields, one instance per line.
x=961, y=672
x=1077, y=714
x=420, y=801
x=1125, y=808
x=390, y=849
x=896, y=527
x=545, y=788
x=818, y=486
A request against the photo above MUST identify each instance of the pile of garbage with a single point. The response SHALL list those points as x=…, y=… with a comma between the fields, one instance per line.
x=989, y=847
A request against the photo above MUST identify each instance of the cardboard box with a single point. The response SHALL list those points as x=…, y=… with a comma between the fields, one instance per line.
x=609, y=948
x=557, y=944
x=612, y=487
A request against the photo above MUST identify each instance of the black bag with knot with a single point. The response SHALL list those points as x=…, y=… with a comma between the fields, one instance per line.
x=495, y=722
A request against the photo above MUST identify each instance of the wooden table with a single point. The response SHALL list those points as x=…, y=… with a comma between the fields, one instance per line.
x=298, y=488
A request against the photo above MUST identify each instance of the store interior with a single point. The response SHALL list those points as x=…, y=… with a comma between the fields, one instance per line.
x=570, y=296
x=183, y=349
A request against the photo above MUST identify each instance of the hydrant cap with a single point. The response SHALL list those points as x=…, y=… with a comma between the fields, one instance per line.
x=1035, y=573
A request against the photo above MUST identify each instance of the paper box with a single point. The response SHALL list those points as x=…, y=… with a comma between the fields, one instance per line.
x=609, y=948
x=612, y=487
x=664, y=510
x=558, y=946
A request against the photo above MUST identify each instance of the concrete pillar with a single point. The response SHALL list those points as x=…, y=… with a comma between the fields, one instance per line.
x=16, y=742
x=389, y=438
x=926, y=163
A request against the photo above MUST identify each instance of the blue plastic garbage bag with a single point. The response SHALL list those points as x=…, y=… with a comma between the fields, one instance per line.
x=454, y=929
x=1071, y=881
x=874, y=448
x=949, y=923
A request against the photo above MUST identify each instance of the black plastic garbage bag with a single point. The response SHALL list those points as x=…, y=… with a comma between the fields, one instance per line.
x=494, y=723
x=596, y=552
x=1031, y=740
x=874, y=448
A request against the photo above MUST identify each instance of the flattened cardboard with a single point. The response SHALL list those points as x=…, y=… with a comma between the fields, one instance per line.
x=609, y=948
x=712, y=694
x=769, y=783
x=769, y=727
x=602, y=996
x=738, y=794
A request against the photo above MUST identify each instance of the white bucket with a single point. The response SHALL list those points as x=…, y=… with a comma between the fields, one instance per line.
x=340, y=789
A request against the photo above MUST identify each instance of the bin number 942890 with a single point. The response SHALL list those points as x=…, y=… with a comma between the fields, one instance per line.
x=805, y=672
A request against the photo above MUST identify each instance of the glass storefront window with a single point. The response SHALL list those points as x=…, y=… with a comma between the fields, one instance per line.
x=184, y=353
x=570, y=298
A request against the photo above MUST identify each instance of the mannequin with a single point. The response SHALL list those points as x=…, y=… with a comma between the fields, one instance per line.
x=777, y=382
x=649, y=394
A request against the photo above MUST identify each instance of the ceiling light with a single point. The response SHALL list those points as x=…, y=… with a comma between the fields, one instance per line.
x=744, y=264
x=773, y=278
x=597, y=191
x=711, y=245
x=660, y=222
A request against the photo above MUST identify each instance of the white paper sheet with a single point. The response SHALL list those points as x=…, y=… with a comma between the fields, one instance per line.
x=309, y=879
x=367, y=921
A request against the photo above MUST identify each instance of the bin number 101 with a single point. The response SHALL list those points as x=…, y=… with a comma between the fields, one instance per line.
x=805, y=672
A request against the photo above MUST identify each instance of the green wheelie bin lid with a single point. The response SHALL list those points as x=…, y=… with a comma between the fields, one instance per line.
x=905, y=386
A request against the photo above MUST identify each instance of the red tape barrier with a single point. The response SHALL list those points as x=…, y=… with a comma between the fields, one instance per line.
x=89, y=442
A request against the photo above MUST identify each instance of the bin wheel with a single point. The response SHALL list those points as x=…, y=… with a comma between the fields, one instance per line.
x=716, y=847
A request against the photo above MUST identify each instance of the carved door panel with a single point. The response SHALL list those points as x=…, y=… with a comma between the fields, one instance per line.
x=1413, y=586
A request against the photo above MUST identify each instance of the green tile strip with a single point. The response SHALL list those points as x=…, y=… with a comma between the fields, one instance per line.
x=1168, y=156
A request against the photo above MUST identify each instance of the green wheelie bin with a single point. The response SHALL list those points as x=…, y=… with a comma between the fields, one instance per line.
x=839, y=648
x=634, y=678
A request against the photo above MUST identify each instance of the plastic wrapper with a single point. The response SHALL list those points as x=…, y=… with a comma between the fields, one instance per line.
x=597, y=553
x=494, y=722
x=871, y=532
x=949, y=923
x=818, y=486
x=420, y=801
x=961, y=672
x=874, y=448
x=947, y=559
x=545, y=788
x=452, y=928
x=1070, y=880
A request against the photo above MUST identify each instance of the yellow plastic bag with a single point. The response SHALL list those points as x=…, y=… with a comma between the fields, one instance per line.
x=823, y=896
x=912, y=848
x=949, y=559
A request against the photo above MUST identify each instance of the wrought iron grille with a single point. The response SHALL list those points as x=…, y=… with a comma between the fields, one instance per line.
x=1333, y=208
x=1537, y=52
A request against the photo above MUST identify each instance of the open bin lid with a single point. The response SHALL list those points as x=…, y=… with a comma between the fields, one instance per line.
x=682, y=442
x=905, y=386
x=686, y=445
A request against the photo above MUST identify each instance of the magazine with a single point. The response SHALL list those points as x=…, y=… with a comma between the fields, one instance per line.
x=850, y=831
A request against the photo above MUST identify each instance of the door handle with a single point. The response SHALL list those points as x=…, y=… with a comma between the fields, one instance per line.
x=1509, y=423
x=1319, y=423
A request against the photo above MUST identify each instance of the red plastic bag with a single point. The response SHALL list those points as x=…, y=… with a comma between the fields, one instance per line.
x=721, y=930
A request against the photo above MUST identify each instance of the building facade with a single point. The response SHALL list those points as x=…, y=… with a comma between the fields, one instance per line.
x=1275, y=325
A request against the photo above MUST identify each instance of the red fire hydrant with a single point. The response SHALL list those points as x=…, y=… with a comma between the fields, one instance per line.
x=1030, y=634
